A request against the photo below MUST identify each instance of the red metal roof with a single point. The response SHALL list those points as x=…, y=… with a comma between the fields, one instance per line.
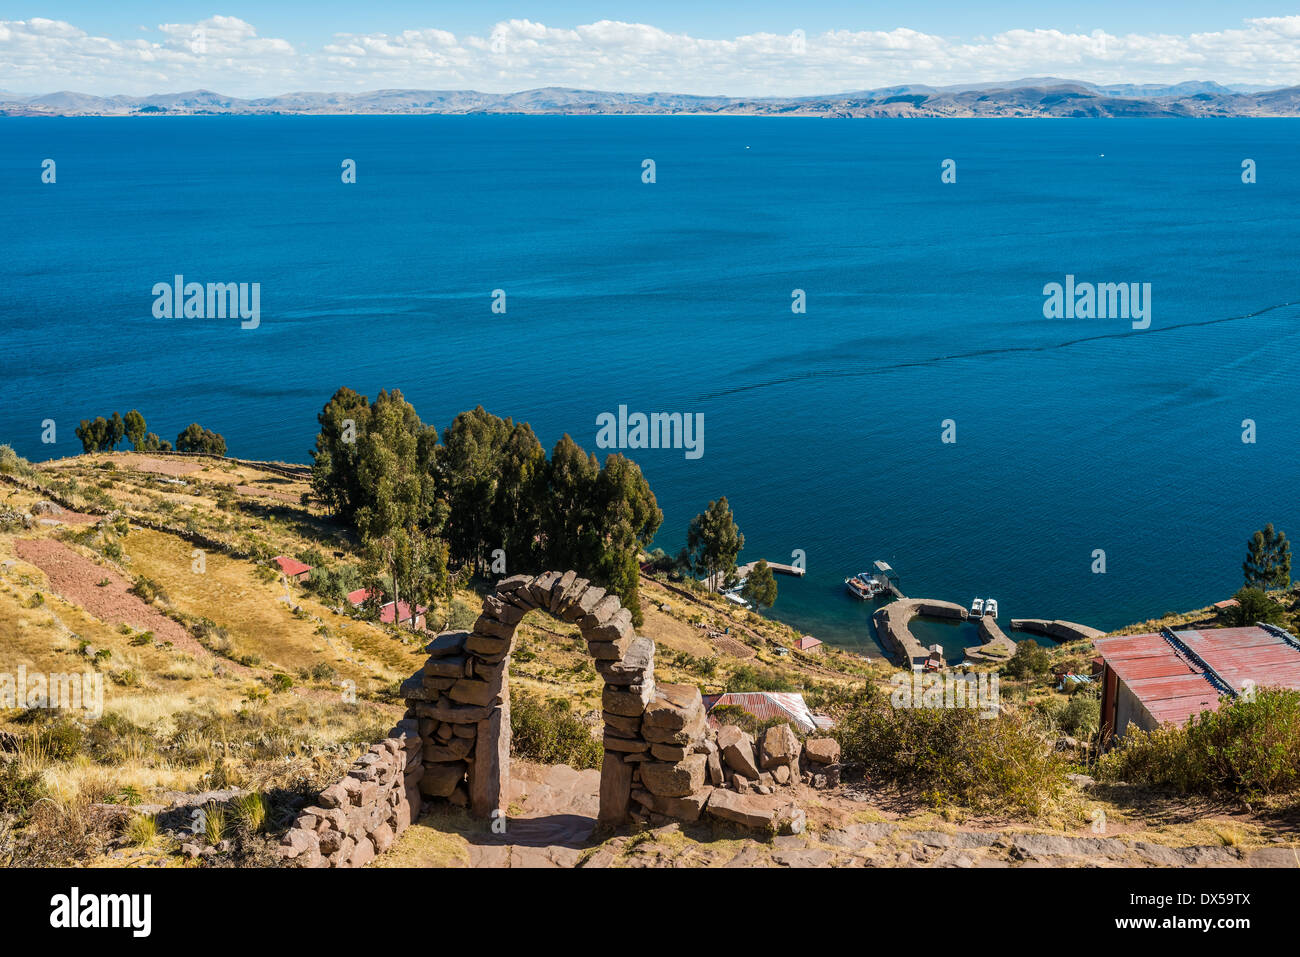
x=806, y=642
x=359, y=596
x=291, y=566
x=1173, y=686
x=386, y=612
x=764, y=705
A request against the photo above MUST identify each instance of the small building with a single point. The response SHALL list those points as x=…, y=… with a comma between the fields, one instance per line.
x=359, y=597
x=292, y=568
x=1168, y=676
x=400, y=613
x=765, y=705
x=809, y=644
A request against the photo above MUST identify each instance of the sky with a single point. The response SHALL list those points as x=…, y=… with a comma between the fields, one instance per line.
x=753, y=48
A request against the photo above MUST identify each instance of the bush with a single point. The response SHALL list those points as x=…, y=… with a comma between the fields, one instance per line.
x=250, y=812
x=322, y=671
x=952, y=755
x=1246, y=748
x=461, y=617
x=147, y=589
x=749, y=678
x=19, y=789
x=142, y=831
x=1081, y=717
x=1254, y=605
x=11, y=463
x=61, y=741
x=549, y=733
x=1029, y=661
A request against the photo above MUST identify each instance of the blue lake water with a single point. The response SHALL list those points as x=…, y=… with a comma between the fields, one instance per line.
x=925, y=303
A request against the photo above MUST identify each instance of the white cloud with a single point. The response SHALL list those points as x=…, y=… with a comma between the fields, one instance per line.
x=227, y=54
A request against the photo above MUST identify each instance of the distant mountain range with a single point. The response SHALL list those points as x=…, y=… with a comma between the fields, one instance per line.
x=1035, y=97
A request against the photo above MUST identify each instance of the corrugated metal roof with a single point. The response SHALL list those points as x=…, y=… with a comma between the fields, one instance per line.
x=291, y=566
x=766, y=705
x=1173, y=687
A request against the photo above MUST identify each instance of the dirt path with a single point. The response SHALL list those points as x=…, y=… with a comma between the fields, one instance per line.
x=77, y=579
x=553, y=814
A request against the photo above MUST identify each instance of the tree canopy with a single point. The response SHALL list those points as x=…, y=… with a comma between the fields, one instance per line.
x=423, y=502
x=1268, y=559
x=195, y=438
x=103, y=435
x=1253, y=606
x=713, y=541
x=760, y=586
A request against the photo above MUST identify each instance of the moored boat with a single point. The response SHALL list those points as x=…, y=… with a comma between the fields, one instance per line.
x=863, y=586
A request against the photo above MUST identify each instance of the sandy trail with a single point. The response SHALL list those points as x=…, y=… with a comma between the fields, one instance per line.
x=77, y=579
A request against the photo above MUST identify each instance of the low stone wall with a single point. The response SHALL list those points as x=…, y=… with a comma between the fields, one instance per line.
x=892, y=626
x=1062, y=631
x=997, y=646
x=360, y=816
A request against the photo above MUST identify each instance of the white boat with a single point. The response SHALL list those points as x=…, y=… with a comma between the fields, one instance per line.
x=864, y=586
x=977, y=608
x=991, y=608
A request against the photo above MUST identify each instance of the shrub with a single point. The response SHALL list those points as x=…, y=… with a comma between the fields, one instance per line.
x=19, y=788
x=142, y=830
x=322, y=671
x=11, y=463
x=250, y=812
x=1081, y=717
x=1029, y=661
x=148, y=589
x=750, y=678
x=1254, y=604
x=952, y=755
x=214, y=823
x=61, y=741
x=1246, y=748
x=461, y=617
x=549, y=733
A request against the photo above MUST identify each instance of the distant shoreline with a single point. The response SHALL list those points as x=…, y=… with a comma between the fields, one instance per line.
x=1021, y=99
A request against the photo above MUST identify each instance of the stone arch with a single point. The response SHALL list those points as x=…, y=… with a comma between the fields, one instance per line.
x=461, y=699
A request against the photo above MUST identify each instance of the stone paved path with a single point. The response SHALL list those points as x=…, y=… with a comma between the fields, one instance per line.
x=554, y=814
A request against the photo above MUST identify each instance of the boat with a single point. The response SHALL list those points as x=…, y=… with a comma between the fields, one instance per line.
x=977, y=608
x=863, y=586
x=991, y=608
